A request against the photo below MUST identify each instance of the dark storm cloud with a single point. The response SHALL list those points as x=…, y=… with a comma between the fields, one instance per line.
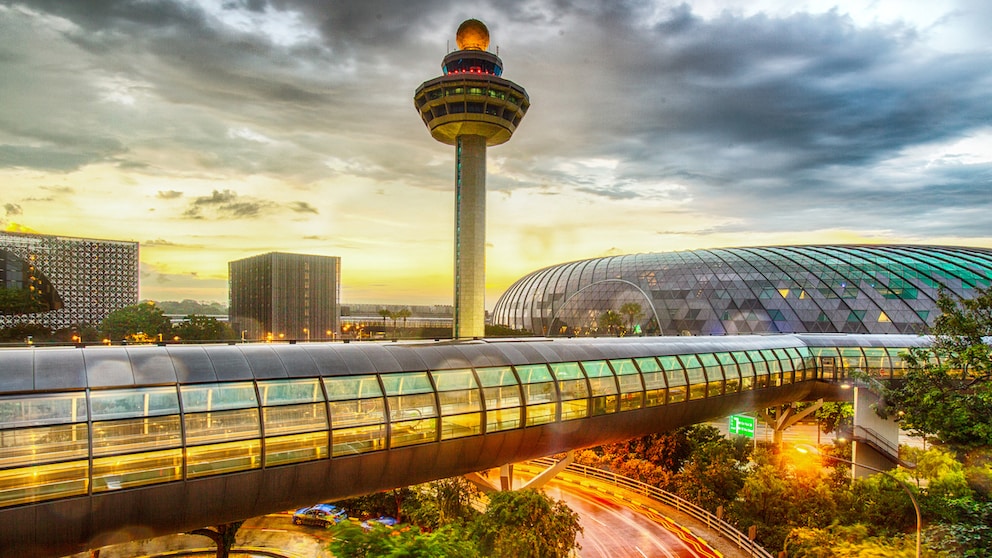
x=774, y=121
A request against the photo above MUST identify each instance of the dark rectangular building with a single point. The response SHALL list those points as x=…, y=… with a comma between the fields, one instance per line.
x=285, y=296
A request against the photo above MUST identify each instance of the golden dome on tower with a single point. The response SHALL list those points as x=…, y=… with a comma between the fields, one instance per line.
x=472, y=35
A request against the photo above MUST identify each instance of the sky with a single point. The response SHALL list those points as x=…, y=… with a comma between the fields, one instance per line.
x=214, y=130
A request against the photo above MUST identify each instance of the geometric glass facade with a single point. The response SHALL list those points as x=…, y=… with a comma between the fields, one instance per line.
x=285, y=296
x=62, y=282
x=778, y=289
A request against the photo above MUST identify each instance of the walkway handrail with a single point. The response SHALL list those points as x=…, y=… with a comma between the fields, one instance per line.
x=880, y=444
x=723, y=527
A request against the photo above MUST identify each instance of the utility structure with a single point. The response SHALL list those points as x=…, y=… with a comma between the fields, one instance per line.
x=471, y=107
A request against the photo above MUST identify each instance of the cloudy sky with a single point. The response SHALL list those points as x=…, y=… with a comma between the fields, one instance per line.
x=213, y=130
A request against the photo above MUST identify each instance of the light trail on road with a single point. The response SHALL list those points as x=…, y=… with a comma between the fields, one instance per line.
x=615, y=527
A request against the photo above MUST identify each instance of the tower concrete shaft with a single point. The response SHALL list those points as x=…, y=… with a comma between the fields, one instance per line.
x=471, y=107
x=470, y=237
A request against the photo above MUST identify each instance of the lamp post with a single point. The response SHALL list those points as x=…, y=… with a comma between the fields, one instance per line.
x=803, y=448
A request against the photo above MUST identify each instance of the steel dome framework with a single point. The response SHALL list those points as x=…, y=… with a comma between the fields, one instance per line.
x=780, y=289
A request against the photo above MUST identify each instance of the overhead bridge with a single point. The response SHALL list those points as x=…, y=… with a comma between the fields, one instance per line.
x=99, y=445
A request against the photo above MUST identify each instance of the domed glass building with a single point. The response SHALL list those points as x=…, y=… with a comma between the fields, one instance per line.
x=778, y=289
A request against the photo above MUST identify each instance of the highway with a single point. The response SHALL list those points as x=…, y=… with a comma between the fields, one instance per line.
x=618, y=524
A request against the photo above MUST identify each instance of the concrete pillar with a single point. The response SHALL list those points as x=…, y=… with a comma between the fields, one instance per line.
x=875, y=441
x=470, y=237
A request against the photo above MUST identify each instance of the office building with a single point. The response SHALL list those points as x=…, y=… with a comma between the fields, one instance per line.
x=285, y=296
x=63, y=282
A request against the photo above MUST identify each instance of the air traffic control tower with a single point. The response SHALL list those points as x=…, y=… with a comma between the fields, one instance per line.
x=471, y=107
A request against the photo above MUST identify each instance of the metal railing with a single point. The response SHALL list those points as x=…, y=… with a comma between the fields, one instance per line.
x=880, y=444
x=724, y=528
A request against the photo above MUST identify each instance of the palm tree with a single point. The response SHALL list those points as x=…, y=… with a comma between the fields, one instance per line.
x=404, y=313
x=385, y=313
x=633, y=312
x=611, y=321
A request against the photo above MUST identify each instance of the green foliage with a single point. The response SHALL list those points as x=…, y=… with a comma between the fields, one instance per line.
x=442, y=502
x=20, y=332
x=611, y=322
x=145, y=318
x=633, y=312
x=880, y=503
x=947, y=393
x=847, y=541
x=22, y=301
x=401, y=541
x=495, y=330
x=202, y=328
x=189, y=306
x=391, y=503
x=526, y=524
x=835, y=416
x=778, y=497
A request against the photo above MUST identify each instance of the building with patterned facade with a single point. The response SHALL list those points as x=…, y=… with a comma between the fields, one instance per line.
x=285, y=296
x=778, y=289
x=65, y=282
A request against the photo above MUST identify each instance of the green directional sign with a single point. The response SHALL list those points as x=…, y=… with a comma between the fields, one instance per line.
x=742, y=425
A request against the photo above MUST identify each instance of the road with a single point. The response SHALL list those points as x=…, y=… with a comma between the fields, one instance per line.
x=617, y=524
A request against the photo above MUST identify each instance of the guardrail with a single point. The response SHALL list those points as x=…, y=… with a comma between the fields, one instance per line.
x=723, y=527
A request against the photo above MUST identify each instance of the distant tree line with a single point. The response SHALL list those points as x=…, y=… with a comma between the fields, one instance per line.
x=143, y=322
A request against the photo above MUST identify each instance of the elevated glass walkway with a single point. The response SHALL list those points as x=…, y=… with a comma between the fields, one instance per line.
x=177, y=437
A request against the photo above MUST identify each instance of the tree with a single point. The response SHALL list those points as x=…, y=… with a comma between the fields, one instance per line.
x=633, y=312
x=203, y=328
x=611, y=321
x=145, y=318
x=835, y=416
x=385, y=313
x=526, y=524
x=400, y=541
x=222, y=535
x=947, y=393
x=403, y=314
x=22, y=301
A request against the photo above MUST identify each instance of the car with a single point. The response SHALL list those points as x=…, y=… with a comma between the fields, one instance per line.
x=381, y=520
x=320, y=515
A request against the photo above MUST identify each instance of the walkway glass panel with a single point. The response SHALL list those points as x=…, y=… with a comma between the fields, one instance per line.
x=294, y=418
x=714, y=374
x=675, y=378
x=603, y=385
x=358, y=414
x=215, y=415
x=655, y=387
x=730, y=372
x=539, y=394
x=761, y=370
x=44, y=447
x=461, y=403
x=695, y=375
x=573, y=390
x=629, y=380
x=502, y=397
x=412, y=408
x=747, y=369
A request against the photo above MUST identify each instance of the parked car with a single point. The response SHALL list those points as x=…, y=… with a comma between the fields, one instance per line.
x=320, y=515
x=382, y=520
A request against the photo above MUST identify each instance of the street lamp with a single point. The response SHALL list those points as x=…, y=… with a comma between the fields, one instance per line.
x=804, y=448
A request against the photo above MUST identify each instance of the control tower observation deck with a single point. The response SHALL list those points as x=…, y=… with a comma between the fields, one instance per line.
x=471, y=107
